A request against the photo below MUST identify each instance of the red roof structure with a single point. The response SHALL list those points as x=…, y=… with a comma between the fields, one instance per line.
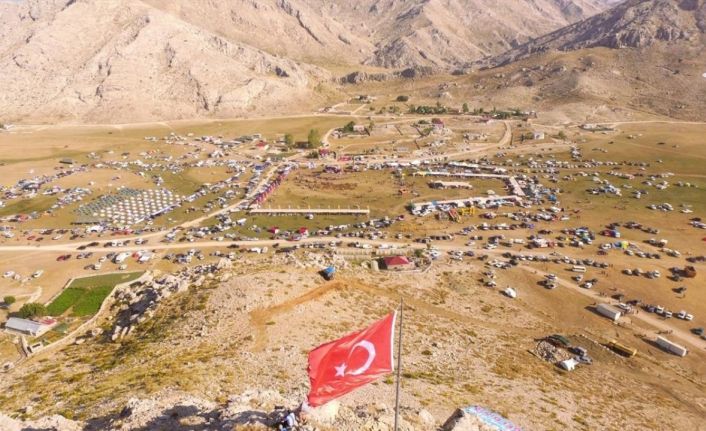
x=398, y=262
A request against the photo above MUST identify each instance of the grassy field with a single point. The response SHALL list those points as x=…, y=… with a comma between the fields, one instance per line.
x=84, y=296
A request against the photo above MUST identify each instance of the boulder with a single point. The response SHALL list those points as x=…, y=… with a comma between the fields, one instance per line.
x=323, y=415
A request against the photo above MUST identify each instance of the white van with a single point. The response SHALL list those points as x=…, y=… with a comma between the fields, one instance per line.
x=577, y=268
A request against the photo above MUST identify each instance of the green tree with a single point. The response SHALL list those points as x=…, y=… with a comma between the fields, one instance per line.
x=465, y=108
x=314, y=139
x=32, y=309
x=348, y=128
x=9, y=300
x=289, y=140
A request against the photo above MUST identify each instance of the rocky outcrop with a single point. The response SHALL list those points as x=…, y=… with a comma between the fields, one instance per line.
x=408, y=73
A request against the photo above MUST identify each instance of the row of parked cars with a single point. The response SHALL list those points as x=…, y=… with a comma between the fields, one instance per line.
x=661, y=311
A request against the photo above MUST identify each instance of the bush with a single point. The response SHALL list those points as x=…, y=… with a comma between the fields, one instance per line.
x=9, y=300
x=289, y=140
x=32, y=309
x=402, y=98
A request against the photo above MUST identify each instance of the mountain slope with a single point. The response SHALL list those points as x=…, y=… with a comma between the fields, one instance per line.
x=454, y=33
x=113, y=60
x=631, y=24
x=643, y=55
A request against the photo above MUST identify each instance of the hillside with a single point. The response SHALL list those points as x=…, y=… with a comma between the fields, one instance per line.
x=123, y=60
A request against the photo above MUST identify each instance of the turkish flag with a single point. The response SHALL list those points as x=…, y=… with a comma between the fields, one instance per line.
x=338, y=367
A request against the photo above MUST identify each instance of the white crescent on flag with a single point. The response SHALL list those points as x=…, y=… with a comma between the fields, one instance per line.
x=370, y=347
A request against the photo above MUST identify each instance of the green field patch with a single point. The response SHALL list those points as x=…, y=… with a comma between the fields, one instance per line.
x=64, y=301
x=84, y=296
x=28, y=206
x=89, y=303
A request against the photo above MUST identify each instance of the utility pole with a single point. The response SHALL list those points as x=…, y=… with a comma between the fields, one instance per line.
x=399, y=369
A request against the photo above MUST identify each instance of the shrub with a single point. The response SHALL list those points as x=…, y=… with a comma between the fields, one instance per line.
x=9, y=300
x=32, y=309
x=314, y=138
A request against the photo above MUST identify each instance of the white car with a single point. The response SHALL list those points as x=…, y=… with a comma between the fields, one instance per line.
x=38, y=273
x=8, y=274
x=684, y=315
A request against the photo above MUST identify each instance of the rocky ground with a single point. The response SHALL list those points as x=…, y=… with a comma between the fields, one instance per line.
x=252, y=410
x=227, y=353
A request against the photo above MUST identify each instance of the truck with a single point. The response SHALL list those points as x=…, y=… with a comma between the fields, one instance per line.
x=328, y=273
x=671, y=346
x=609, y=311
x=622, y=349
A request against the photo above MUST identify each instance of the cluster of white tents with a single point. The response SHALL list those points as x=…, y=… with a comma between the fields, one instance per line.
x=134, y=209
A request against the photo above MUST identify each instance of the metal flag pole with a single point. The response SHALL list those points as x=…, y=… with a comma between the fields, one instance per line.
x=399, y=368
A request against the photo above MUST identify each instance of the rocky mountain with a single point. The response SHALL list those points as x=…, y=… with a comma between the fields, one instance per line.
x=632, y=24
x=139, y=60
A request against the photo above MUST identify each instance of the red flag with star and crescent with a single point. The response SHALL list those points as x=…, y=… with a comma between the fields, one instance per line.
x=338, y=367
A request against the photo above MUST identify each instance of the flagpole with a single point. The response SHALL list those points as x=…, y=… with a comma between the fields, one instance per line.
x=399, y=368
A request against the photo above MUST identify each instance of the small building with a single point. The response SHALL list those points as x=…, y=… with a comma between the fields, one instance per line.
x=359, y=128
x=66, y=161
x=29, y=327
x=398, y=263
x=538, y=135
